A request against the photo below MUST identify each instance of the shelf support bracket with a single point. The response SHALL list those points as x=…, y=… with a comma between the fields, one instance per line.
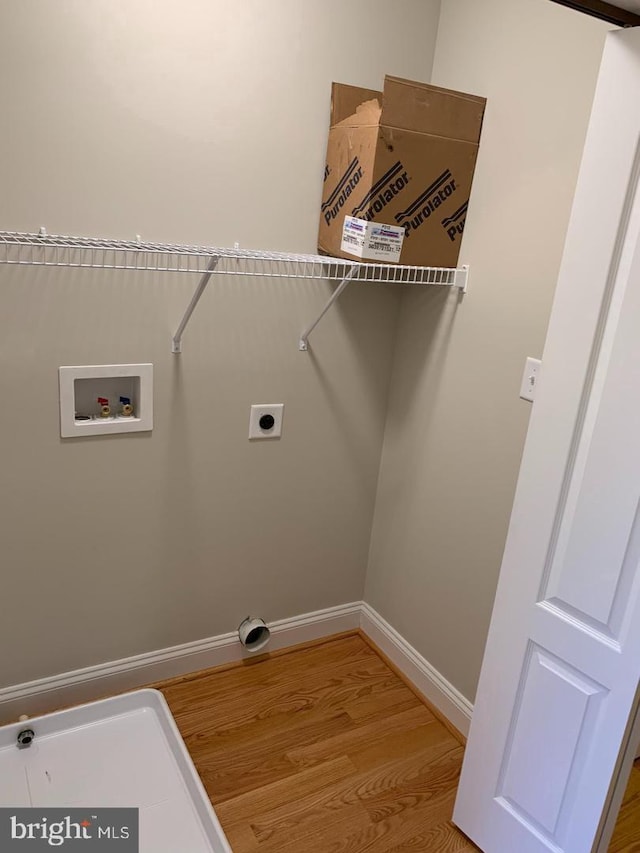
x=461, y=278
x=176, y=343
x=303, y=344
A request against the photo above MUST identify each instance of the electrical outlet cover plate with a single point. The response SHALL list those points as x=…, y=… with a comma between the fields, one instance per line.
x=258, y=410
x=530, y=379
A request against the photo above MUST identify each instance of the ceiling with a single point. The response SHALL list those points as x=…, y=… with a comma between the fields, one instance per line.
x=631, y=5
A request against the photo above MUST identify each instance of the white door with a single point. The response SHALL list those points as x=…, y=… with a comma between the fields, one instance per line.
x=562, y=662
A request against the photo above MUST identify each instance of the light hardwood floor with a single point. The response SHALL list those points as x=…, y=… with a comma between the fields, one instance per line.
x=321, y=750
x=626, y=837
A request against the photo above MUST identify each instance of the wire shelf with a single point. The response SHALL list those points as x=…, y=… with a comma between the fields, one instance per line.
x=48, y=250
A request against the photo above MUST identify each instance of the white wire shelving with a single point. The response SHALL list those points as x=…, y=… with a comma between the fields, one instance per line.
x=49, y=250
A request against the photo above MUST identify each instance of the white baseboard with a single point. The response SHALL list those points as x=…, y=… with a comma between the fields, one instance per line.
x=95, y=682
x=427, y=680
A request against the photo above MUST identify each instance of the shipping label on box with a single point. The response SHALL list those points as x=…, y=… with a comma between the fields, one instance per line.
x=371, y=240
x=403, y=160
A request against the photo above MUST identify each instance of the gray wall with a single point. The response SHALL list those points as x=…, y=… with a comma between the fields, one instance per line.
x=206, y=123
x=455, y=425
x=199, y=122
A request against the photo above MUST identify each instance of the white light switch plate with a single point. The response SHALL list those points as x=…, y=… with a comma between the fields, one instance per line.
x=530, y=378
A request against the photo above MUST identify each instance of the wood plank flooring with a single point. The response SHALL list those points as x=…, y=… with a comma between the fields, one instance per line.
x=626, y=836
x=322, y=750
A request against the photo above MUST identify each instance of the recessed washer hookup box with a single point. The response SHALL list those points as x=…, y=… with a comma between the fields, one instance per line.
x=399, y=170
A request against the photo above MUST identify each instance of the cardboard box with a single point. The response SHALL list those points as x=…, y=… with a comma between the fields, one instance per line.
x=399, y=169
